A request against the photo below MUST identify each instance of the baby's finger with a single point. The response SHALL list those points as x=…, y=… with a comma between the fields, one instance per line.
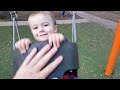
x=23, y=46
x=18, y=46
x=27, y=44
x=54, y=41
x=58, y=41
x=61, y=38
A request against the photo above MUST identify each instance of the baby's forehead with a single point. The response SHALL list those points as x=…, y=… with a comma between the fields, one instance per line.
x=40, y=18
x=41, y=15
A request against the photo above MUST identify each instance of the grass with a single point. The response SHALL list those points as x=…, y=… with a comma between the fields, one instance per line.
x=94, y=46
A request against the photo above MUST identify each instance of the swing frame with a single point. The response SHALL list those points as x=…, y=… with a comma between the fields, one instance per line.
x=71, y=64
x=14, y=18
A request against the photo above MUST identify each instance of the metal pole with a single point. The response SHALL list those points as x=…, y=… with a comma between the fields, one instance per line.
x=16, y=24
x=73, y=28
x=13, y=33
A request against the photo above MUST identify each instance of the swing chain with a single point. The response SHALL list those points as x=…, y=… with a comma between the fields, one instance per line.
x=14, y=17
x=13, y=14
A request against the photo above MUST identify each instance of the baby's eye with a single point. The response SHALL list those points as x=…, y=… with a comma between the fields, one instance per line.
x=45, y=25
x=35, y=28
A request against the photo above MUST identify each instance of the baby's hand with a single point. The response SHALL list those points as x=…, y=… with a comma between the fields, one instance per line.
x=56, y=39
x=23, y=45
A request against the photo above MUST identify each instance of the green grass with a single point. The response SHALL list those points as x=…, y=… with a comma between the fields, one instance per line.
x=94, y=46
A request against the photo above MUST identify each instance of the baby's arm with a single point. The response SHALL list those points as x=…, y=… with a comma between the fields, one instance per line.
x=23, y=45
x=56, y=39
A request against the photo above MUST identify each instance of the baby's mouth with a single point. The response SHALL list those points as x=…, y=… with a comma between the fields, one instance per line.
x=42, y=35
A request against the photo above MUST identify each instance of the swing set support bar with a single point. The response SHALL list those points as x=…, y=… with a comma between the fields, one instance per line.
x=15, y=27
x=73, y=27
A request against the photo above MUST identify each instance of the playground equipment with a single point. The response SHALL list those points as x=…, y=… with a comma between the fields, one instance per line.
x=114, y=52
x=15, y=27
x=73, y=27
x=67, y=69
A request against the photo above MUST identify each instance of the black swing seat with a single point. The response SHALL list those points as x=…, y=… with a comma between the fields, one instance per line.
x=68, y=50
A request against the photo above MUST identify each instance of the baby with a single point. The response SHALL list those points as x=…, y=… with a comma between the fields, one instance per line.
x=43, y=27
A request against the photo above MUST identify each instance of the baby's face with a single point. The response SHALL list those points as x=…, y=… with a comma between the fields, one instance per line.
x=42, y=26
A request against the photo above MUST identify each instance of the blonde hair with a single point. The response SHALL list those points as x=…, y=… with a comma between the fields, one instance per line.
x=43, y=12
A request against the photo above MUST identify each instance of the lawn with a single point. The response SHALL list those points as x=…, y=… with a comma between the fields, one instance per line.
x=94, y=46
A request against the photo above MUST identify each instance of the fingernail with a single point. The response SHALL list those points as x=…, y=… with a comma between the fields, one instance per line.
x=56, y=48
x=48, y=46
x=34, y=49
x=61, y=57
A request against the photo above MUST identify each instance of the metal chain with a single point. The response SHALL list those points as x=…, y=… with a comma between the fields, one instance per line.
x=14, y=17
x=13, y=14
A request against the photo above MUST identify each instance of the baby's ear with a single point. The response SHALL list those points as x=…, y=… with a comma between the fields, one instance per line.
x=56, y=27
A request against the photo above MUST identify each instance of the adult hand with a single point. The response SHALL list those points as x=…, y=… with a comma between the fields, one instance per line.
x=32, y=67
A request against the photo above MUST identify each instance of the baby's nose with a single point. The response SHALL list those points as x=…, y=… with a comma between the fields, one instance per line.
x=41, y=29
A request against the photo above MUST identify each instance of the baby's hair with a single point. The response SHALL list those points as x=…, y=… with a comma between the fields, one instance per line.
x=43, y=12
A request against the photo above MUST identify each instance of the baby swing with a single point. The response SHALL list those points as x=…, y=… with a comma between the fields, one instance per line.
x=68, y=69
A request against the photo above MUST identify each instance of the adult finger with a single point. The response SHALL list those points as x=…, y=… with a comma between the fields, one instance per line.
x=39, y=55
x=30, y=57
x=51, y=67
x=44, y=60
x=50, y=41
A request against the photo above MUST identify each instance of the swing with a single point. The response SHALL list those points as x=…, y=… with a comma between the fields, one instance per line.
x=68, y=69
